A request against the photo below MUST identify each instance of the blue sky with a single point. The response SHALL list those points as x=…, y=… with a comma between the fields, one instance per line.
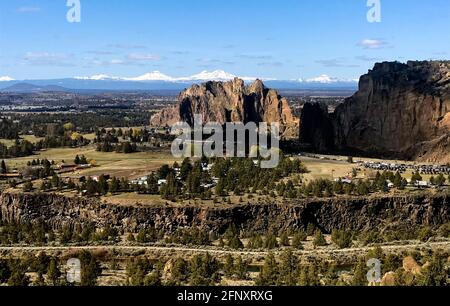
x=284, y=39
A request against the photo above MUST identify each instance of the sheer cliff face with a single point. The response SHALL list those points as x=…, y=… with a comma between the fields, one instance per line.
x=400, y=110
x=354, y=213
x=231, y=102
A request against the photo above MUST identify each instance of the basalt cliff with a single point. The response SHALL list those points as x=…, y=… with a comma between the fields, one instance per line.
x=400, y=110
x=353, y=213
x=231, y=101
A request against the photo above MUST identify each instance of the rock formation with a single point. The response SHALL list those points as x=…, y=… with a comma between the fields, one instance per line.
x=353, y=214
x=400, y=110
x=231, y=102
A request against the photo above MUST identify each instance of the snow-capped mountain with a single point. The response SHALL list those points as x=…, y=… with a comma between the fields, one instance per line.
x=326, y=79
x=217, y=75
x=151, y=76
x=157, y=80
x=6, y=79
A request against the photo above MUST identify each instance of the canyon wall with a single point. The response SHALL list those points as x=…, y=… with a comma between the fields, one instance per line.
x=400, y=110
x=354, y=213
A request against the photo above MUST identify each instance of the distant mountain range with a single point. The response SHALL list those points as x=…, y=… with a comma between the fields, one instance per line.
x=30, y=88
x=158, y=81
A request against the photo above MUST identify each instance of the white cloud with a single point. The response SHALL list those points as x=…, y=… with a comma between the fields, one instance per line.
x=46, y=58
x=372, y=43
x=28, y=9
x=116, y=62
x=44, y=55
x=6, y=79
x=143, y=57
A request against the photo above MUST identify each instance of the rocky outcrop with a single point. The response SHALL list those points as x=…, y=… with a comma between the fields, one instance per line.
x=400, y=110
x=316, y=127
x=343, y=213
x=231, y=102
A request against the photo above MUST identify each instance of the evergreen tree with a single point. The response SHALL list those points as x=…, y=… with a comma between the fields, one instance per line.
x=341, y=238
x=435, y=274
x=18, y=277
x=103, y=185
x=203, y=270
x=288, y=268
x=360, y=273
x=53, y=273
x=241, y=268
x=228, y=267
x=256, y=242
x=3, y=168
x=179, y=272
x=235, y=243
x=28, y=186
x=5, y=271
x=152, y=184
x=319, y=239
x=440, y=180
x=153, y=279
x=90, y=269
x=271, y=241
x=114, y=185
x=268, y=275
x=186, y=168
x=297, y=240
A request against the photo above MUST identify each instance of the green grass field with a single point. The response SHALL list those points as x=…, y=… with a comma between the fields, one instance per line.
x=114, y=164
x=30, y=138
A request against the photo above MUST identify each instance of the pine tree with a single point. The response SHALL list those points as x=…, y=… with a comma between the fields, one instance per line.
x=319, y=239
x=152, y=185
x=220, y=188
x=3, y=168
x=256, y=242
x=235, y=243
x=153, y=279
x=228, y=267
x=284, y=239
x=114, y=185
x=271, y=241
x=103, y=185
x=28, y=186
x=341, y=238
x=130, y=238
x=268, y=275
x=397, y=180
x=360, y=274
x=241, y=268
x=53, y=273
x=5, y=271
x=440, y=180
x=435, y=274
x=297, y=240
x=90, y=269
x=18, y=276
x=288, y=268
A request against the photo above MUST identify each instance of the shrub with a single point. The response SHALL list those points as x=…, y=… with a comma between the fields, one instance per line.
x=341, y=238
